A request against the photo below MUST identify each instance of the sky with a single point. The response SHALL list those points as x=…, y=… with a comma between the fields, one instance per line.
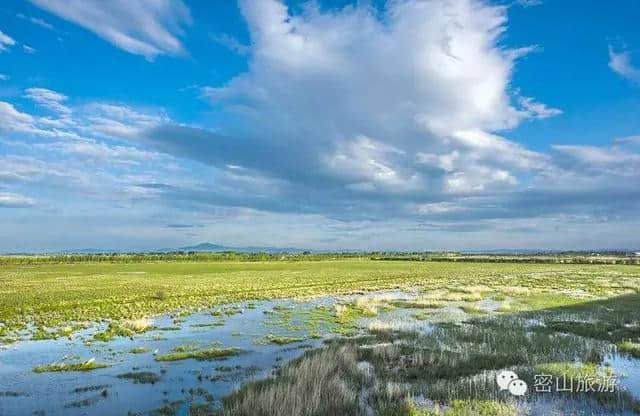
x=328, y=125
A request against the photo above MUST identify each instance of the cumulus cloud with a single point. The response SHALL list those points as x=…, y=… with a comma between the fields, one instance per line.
x=142, y=27
x=357, y=122
x=322, y=108
x=339, y=131
x=620, y=63
x=5, y=41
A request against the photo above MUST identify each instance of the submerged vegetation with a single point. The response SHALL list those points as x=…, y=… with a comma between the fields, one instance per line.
x=141, y=377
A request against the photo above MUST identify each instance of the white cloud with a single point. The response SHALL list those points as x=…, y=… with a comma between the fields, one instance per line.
x=231, y=43
x=620, y=63
x=15, y=201
x=320, y=81
x=538, y=110
x=5, y=41
x=142, y=27
x=628, y=139
x=36, y=21
x=28, y=49
x=49, y=99
x=352, y=117
x=119, y=121
x=528, y=3
x=13, y=120
x=4, y=77
x=94, y=150
x=604, y=163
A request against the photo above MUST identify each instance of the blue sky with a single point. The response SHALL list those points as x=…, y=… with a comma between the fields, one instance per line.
x=406, y=124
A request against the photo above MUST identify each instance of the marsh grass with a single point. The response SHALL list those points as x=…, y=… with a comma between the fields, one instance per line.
x=454, y=365
x=422, y=316
x=128, y=328
x=86, y=389
x=473, y=310
x=119, y=288
x=320, y=383
x=44, y=334
x=467, y=407
x=200, y=355
x=631, y=348
x=141, y=377
x=419, y=304
x=59, y=367
x=168, y=328
x=281, y=339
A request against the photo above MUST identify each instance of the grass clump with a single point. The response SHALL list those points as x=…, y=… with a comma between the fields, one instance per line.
x=473, y=310
x=419, y=304
x=139, y=350
x=461, y=296
x=184, y=348
x=281, y=339
x=58, y=367
x=422, y=316
x=127, y=328
x=321, y=382
x=141, y=377
x=631, y=348
x=208, y=324
x=470, y=408
x=43, y=334
x=168, y=328
x=200, y=355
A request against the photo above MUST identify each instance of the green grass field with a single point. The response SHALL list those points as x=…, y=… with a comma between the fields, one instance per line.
x=550, y=318
x=63, y=295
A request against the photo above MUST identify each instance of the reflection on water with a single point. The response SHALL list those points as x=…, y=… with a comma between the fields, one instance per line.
x=101, y=392
x=150, y=384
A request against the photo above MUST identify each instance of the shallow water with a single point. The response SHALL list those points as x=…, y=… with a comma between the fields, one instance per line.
x=24, y=392
x=628, y=370
x=182, y=383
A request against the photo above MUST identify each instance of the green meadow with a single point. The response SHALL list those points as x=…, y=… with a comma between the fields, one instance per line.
x=56, y=298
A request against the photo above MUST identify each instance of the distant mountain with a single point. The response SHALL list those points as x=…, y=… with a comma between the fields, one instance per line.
x=202, y=247
x=205, y=247
x=249, y=249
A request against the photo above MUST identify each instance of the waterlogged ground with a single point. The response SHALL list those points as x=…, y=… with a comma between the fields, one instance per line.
x=268, y=335
x=135, y=381
x=430, y=343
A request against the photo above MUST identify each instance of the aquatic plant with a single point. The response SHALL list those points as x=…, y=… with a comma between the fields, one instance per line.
x=200, y=355
x=58, y=367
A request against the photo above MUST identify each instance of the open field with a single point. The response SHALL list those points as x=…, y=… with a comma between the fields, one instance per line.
x=63, y=295
x=381, y=337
